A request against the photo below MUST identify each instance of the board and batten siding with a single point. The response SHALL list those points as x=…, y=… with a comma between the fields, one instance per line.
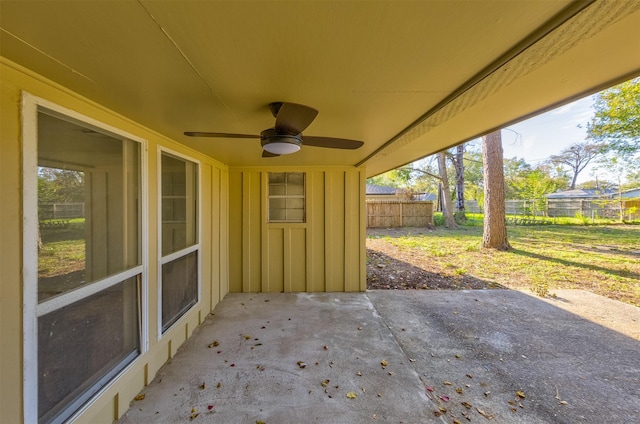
x=326, y=253
x=112, y=401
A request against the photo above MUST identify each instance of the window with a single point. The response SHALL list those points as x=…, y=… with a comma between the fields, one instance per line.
x=87, y=290
x=179, y=235
x=286, y=197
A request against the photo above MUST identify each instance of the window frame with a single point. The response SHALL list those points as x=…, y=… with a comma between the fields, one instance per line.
x=32, y=310
x=196, y=247
x=302, y=196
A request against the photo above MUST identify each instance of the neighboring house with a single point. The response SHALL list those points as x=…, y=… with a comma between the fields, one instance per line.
x=173, y=223
x=425, y=197
x=583, y=194
x=376, y=192
x=633, y=193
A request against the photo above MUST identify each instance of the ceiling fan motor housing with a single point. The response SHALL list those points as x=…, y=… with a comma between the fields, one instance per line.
x=280, y=143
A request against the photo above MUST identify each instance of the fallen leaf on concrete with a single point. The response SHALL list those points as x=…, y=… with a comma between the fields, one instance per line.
x=325, y=383
x=469, y=375
x=383, y=363
x=359, y=373
x=412, y=360
x=203, y=386
x=429, y=389
x=247, y=337
x=487, y=394
x=219, y=385
x=139, y=397
x=302, y=364
x=466, y=405
x=484, y=414
x=194, y=414
x=521, y=394
x=374, y=416
x=563, y=402
x=456, y=421
x=325, y=347
x=444, y=398
x=209, y=407
x=447, y=383
x=459, y=390
x=437, y=413
x=352, y=395
x=213, y=344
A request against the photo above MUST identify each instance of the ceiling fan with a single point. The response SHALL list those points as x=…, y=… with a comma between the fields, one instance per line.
x=286, y=137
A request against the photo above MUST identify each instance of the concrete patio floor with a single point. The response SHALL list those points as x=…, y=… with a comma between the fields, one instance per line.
x=408, y=356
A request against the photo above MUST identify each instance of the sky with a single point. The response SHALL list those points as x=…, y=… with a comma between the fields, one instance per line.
x=547, y=134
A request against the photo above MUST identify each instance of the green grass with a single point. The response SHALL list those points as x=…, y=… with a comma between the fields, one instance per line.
x=601, y=259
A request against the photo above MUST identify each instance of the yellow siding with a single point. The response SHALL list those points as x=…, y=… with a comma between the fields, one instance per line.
x=214, y=256
x=325, y=253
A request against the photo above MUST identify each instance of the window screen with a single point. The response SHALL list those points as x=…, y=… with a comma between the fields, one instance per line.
x=89, y=261
x=179, y=236
x=286, y=197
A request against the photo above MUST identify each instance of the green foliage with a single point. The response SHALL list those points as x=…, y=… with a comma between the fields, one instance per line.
x=60, y=185
x=617, y=117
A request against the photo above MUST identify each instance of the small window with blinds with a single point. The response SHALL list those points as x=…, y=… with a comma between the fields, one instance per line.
x=286, y=197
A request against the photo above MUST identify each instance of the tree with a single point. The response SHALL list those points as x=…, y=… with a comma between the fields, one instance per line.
x=458, y=163
x=449, y=220
x=399, y=177
x=495, y=227
x=617, y=118
x=577, y=156
x=533, y=186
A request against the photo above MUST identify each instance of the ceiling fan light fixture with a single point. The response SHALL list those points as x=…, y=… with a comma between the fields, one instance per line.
x=279, y=144
x=284, y=147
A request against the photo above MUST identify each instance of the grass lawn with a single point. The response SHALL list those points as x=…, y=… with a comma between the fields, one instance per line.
x=601, y=259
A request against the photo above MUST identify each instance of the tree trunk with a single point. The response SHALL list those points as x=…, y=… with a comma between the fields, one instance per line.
x=458, y=163
x=449, y=220
x=495, y=227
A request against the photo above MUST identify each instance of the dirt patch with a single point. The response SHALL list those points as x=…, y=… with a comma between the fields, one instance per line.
x=392, y=268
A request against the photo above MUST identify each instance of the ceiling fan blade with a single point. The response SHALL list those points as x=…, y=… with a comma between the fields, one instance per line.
x=219, y=135
x=334, y=143
x=293, y=118
x=266, y=154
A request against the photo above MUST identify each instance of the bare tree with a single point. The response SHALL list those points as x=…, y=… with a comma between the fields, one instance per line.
x=577, y=156
x=495, y=226
x=458, y=164
x=449, y=220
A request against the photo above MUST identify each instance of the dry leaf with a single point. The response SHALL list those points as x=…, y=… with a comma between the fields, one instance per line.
x=459, y=390
x=325, y=383
x=210, y=407
x=484, y=414
x=444, y=398
x=384, y=363
x=466, y=405
x=429, y=389
x=219, y=385
x=359, y=374
x=447, y=383
x=456, y=421
x=247, y=337
x=352, y=395
x=139, y=397
x=203, y=386
x=302, y=364
x=213, y=344
x=469, y=375
x=563, y=402
x=437, y=413
x=521, y=394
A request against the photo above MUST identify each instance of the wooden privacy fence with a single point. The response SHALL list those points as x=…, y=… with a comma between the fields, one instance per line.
x=399, y=213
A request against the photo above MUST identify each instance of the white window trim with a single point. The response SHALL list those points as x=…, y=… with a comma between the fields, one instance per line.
x=31, y=105
x=175, y=255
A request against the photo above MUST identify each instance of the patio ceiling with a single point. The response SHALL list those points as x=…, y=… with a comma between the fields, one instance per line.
x=407, y=78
